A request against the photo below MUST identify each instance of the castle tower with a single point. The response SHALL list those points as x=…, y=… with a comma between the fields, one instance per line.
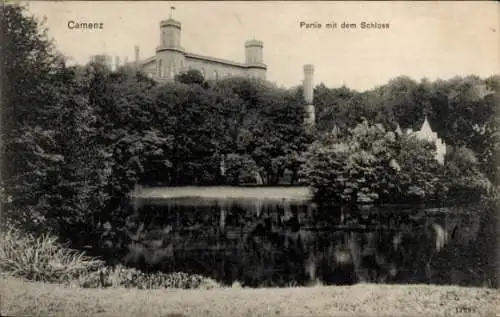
x=170, y=56
x=254, y=59
x=310, y=117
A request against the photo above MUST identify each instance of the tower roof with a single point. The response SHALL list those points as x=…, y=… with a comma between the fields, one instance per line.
x=426, y=132
x=426, y=126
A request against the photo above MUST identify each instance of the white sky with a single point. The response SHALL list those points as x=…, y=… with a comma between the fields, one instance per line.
x=425, y=39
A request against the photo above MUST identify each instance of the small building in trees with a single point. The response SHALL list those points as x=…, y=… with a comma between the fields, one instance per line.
x=426, y=133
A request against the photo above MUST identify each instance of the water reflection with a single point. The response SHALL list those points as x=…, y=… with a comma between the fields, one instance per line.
x=278, y=243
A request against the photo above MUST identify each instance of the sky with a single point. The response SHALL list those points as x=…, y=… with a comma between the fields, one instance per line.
x=424, y=39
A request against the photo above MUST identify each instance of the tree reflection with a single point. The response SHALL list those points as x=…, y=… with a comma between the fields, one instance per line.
x=261, y=243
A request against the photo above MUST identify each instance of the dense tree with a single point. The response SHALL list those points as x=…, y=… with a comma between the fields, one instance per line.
x=33, y=89
x=191, y=76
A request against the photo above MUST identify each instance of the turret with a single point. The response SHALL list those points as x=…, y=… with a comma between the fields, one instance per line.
x=170, y=56
x=170, y=33
x=253, y=52
x=254, y=59
x=310, y=117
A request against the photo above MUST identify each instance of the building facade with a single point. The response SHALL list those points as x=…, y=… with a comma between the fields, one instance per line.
x=171, y=58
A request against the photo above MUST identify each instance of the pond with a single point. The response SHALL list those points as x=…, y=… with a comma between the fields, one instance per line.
x=283, y=240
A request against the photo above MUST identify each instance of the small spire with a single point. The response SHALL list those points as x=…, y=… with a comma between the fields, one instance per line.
x=172, y=12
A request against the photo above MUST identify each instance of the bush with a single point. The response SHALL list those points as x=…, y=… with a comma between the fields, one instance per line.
x=121, y=276
x=42, y=258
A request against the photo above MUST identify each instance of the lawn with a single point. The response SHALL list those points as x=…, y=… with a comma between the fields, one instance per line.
x=229, y=192
x=21, y=298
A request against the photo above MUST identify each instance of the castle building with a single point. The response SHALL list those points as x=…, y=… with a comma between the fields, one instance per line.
x=171, y=58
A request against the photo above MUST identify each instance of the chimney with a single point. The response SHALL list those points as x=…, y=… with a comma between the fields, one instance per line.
x=309, y=94
x=136, y=57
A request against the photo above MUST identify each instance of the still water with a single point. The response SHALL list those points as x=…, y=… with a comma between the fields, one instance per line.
x=260, y=242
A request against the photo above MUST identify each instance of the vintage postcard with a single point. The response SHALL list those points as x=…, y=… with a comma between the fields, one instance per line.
x=260, y=158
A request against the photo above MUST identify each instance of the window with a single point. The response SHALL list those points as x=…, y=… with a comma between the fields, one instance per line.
x=160, y=69
x=169, y=38
x=215, y=75
x=172, y=71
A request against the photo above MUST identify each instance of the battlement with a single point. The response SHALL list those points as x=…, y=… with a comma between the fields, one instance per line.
x=309, y=68
x=170, y=22
x=254, y=43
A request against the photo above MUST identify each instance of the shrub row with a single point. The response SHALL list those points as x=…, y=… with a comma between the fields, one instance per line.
x=121, y=276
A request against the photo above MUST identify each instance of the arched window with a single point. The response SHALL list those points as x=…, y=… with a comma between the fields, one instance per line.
x=215, y=75
x=160, y=69
x=172, y=70
x=169, y=38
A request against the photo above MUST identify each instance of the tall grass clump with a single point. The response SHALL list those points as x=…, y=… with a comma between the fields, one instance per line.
x=42, y=258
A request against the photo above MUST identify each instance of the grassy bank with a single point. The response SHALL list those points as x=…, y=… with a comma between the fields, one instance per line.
x=229, y=192
x=22, y=298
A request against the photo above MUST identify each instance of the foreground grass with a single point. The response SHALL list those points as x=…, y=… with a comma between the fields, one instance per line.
x=22, y=298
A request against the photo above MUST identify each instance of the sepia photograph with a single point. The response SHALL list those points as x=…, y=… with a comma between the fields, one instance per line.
x=249, y=158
